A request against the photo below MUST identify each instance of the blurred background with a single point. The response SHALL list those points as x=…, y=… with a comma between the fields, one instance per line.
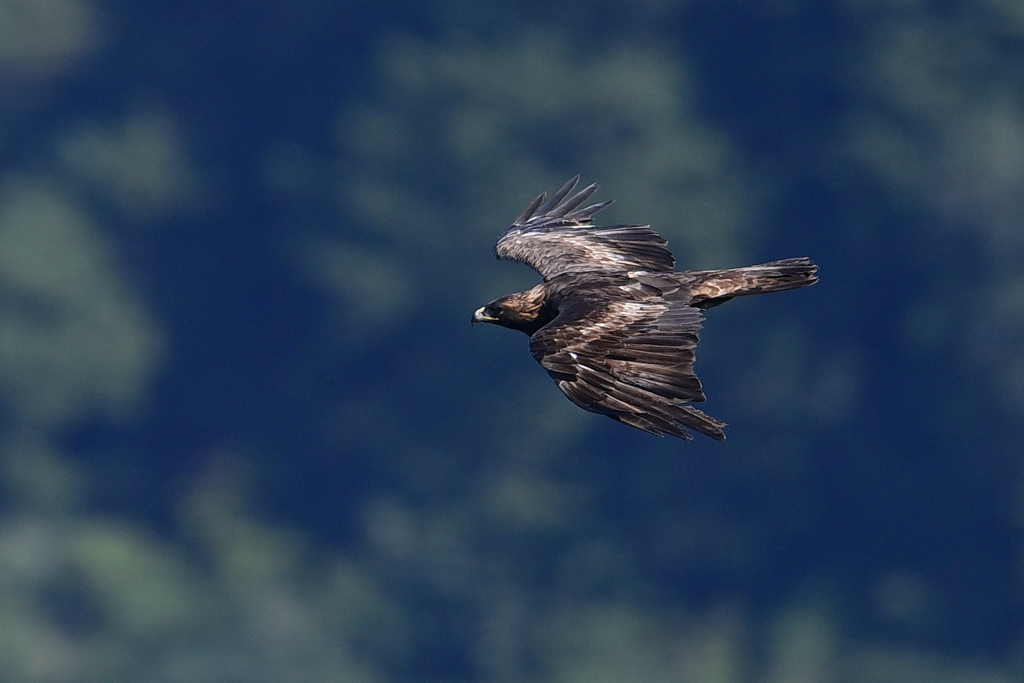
x=248, y=434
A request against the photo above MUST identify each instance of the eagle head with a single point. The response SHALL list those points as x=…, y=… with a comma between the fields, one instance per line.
x=524, y=311
x=487, y=314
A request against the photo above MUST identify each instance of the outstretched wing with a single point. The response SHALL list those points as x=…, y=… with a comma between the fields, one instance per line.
x=631, y=361
x=553, y=237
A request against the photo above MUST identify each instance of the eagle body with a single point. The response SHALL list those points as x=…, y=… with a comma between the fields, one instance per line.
x=612, y=323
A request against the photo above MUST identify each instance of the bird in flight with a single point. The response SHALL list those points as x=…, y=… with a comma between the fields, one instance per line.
x=612, y=323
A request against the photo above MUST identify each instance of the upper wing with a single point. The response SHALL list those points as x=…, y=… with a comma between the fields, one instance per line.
x=630, y=360
x=555, y=237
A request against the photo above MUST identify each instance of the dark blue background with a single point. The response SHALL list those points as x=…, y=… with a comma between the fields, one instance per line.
x=295, y=437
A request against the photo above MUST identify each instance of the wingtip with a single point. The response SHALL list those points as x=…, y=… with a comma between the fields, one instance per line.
x=574, y=201
x=556, y=198
x=557, y=206
x=586, y=213
x=530, y=210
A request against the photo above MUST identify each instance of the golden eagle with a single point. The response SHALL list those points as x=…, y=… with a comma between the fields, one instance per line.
x=612, y=323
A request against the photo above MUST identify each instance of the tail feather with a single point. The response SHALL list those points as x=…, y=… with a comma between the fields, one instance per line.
x=712, y=287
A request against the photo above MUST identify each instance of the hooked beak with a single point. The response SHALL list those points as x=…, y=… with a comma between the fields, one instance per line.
x=480, y=317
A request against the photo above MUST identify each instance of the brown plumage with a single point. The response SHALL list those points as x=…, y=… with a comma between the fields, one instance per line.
x=612, y=323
